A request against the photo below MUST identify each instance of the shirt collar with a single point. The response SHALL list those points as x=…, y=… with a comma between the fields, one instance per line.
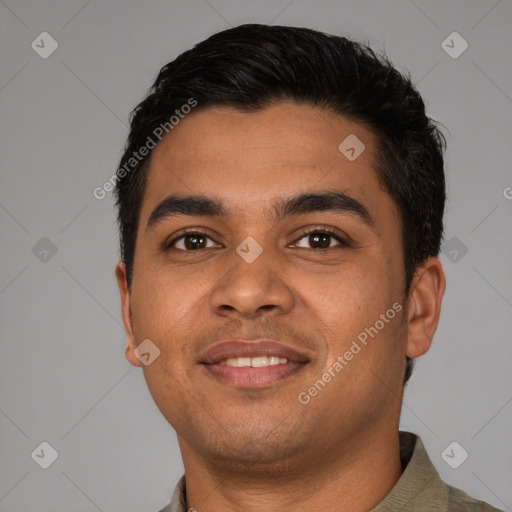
x=419, y=482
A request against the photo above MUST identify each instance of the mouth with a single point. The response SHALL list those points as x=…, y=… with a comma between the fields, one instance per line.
x=252, y=364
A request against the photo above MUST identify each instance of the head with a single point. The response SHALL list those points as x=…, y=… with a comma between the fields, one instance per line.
x=260, y=114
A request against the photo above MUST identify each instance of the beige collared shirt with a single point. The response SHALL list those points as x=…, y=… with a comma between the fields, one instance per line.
x=419, y=489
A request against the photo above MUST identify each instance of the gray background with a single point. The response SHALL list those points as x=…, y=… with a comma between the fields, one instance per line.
x=63, y=375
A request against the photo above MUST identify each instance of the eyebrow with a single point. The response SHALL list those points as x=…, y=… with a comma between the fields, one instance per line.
x=327, y=201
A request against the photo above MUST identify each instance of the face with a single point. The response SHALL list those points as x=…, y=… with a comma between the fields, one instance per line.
x=252, y=270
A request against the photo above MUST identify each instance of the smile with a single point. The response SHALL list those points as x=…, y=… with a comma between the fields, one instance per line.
x=254, y=362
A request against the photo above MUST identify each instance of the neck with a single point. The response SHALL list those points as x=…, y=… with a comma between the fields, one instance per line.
x=355, y=478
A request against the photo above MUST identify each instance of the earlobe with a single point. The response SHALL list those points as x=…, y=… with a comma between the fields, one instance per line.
x=424, y=306
x=126, y=313
x=129, y=353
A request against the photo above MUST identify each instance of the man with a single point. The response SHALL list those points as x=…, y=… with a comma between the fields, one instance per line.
x=281, y=204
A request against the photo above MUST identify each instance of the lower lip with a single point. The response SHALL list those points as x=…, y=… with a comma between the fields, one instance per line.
x=248, y=376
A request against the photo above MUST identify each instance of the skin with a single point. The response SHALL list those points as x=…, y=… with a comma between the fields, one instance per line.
x=262, y=449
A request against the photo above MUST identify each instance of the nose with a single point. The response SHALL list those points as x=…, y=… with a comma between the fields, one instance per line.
x=250, y=289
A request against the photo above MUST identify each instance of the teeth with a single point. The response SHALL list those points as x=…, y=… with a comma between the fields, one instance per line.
x=258, y=362
x=255, y=362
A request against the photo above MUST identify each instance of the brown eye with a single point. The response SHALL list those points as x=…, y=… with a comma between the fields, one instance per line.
x=192, y=241
x=321, y=239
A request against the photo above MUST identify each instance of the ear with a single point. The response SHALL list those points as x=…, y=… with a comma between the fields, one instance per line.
x=126, y=313
x=424, y=306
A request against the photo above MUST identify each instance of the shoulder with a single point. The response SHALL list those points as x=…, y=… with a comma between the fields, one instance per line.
x=421, y=489
x=458, y=501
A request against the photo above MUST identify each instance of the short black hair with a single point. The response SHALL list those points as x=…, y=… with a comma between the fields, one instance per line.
x=253, y=66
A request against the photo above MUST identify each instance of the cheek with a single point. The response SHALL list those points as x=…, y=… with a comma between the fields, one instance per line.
x=351, y=301
x=164, y=306
x=160, y=284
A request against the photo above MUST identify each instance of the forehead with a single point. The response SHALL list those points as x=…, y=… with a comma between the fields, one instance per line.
x=250, y=159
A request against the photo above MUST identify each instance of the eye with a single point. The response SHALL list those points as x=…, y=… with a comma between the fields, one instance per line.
x=190, y=241
x=196, y=240
x=322, y=238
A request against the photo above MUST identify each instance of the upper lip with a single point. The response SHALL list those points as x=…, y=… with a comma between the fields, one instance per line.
x=242, y=348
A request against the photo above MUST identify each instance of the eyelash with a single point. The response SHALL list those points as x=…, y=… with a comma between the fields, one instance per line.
x=325, y=231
